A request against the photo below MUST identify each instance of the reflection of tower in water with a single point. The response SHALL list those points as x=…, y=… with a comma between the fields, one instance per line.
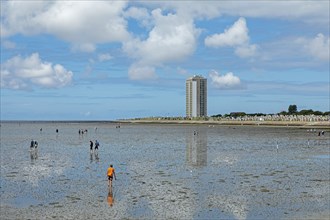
x=196, y=153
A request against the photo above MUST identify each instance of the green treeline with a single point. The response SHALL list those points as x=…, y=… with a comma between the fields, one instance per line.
x=292, y=110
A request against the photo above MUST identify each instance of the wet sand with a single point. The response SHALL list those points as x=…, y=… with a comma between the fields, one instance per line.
x=164, y=172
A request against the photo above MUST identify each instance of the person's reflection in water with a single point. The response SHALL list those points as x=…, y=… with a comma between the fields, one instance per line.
x=110, y=199
x=97, y=158
x=91, y=157
x=33, y=155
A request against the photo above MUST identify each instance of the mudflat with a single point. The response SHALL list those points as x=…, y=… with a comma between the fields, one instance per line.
x=179, y=171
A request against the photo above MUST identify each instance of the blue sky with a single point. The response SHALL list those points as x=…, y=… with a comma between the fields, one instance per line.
x=106, y=60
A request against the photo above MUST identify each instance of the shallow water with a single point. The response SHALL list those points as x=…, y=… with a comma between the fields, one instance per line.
x=164, y=171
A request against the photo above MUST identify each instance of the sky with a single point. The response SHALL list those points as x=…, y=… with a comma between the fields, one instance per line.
x=108, y=60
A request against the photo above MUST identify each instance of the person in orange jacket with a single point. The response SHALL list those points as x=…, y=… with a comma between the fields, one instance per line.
x=111, y=174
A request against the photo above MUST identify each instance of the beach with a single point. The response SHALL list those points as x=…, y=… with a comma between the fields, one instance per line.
x=325, y=124
x=164, y=171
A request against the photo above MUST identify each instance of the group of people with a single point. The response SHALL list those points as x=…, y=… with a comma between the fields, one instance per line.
x=34, y=150
x=82, y=131
x=91, y=144
x=111, y=171
x=111, y=174
x=34, y=144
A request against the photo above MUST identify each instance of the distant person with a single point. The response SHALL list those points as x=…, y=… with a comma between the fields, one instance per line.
x=111, y=174
x=32, y=144
x=56, y=130
x=91, y=145
x=97, y=144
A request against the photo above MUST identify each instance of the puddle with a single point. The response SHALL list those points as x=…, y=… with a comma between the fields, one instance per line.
x=26, y=201
x=324, y=156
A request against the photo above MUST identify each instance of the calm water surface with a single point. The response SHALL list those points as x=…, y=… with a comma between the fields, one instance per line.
x=164, y=171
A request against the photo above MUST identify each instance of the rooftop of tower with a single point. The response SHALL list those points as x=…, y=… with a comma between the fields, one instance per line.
x=196, y=77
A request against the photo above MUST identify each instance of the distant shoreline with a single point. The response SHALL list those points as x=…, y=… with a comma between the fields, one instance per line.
x=58, y=121
x=300, y=124
x=297, y=124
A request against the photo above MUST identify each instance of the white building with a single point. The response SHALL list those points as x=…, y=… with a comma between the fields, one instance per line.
x=196, y=96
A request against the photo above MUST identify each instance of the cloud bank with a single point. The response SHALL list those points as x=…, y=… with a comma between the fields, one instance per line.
x=25, y=73
x=169, y=27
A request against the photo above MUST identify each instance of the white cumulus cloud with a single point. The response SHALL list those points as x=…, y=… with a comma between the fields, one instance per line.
x=236, y=36
x=172, y=39
x=83, y=23
x=142, y=15
x=319, y=47
x=25, y=73
x=226, y=81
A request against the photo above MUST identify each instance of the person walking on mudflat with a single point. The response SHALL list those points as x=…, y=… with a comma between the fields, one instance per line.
x=91, y=146
x=97, y=144
x=111, y=174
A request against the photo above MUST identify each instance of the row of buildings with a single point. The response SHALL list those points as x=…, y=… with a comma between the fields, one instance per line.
x=196, y=104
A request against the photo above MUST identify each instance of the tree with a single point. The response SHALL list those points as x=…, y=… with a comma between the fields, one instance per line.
x=306, y=112
x=283, y=113
x=237, y=114
x=292, y=109
x=216, y=116
x=318, y=113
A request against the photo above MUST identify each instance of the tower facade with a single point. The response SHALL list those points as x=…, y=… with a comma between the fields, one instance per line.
x=196, y=96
